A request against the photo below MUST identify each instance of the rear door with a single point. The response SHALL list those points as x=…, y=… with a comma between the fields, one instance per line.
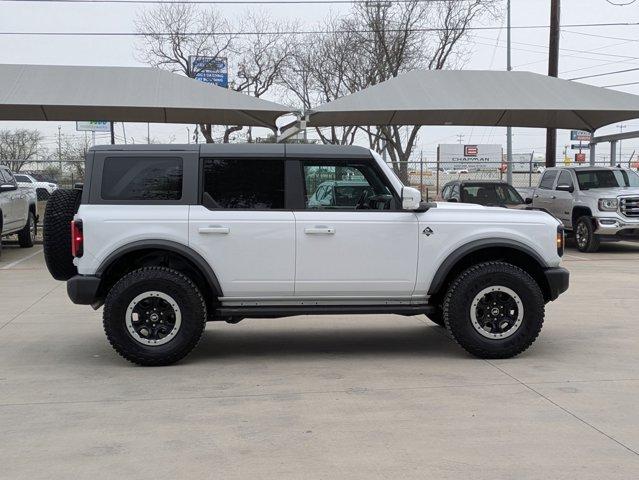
x=561, y=205
x=242, y=227
x=544, y=195
x=361, y=245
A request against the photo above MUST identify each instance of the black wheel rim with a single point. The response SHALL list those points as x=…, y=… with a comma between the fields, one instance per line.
x=153, y=318
x=496, y=312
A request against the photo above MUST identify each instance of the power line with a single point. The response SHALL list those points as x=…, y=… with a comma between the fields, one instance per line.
x=603, y=74
x=620, y=84
x=302, y=32
x=220, y=2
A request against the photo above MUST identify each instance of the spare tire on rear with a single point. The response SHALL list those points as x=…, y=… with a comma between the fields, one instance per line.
x=56, y=235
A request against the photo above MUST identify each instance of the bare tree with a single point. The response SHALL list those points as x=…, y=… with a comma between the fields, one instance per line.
x=171, y=33
x=19, y=147
x=376, y=42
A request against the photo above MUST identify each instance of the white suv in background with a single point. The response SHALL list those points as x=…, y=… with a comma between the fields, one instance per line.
x=167, y=237
x=43, y=189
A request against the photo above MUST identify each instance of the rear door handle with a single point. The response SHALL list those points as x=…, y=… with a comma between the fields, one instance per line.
x=536, y=195
x=319, y=230
x=553, y=197
x=214, y=229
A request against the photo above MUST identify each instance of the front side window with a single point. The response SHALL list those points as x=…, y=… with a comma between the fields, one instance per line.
x=142, y=178
x=548, y=180
x=606, y=179
x=491, y=194
x=243, y=184
x=22, y=179
x=565, y=179
x=343, y=186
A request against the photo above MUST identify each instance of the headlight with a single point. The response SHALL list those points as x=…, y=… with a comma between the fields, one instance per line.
x=608, y=204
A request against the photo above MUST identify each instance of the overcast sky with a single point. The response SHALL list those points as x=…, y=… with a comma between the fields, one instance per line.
x=616, y=52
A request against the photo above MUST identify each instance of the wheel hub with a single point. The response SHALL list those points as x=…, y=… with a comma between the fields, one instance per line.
x=496, y=312
x=153, y=318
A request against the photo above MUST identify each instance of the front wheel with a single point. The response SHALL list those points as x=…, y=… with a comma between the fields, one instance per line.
x=154, y=316
x=587, y=240
x=494, y=310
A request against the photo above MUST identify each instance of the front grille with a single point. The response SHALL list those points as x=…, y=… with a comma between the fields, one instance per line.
x=629, y=206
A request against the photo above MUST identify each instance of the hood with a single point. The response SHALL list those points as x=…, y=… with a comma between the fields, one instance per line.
x=610, y=192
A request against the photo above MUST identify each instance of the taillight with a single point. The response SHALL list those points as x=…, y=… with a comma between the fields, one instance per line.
x=77, y=238
x=561, y=240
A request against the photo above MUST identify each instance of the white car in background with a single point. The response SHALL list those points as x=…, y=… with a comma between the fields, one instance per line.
x=43, y=189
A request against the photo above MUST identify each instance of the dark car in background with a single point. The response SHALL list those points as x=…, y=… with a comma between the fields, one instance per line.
x=490, y=194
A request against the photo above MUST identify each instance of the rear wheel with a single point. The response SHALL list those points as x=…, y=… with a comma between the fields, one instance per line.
x=585, y=237
x=494, y=310
x=26, y=236
x=154, y=316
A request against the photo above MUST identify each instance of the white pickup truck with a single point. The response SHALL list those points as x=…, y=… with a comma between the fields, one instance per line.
x=167, y=237
x=18, y=210
x=596, y=204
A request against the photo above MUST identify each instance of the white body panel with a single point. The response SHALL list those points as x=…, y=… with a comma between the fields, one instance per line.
x=251, y=252
x=14, y=205
x=455, y=225
x=109, y=227
x=356, y=253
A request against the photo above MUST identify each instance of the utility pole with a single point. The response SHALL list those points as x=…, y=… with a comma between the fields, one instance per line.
x=460, y=137
x=509, y=130
x=620, y=127
x=112, y=133
x=60, y=147
x=553, y=70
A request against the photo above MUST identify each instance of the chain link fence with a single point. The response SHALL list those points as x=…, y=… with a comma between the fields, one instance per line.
x=430, y=176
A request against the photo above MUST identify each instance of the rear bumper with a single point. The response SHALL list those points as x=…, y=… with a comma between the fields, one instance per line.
x=83, y=289
x=558, y=280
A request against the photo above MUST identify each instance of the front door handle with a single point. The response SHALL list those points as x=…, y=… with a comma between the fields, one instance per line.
x=214, y=229
x=319, y=230
x=553, y=197
x=536, y=195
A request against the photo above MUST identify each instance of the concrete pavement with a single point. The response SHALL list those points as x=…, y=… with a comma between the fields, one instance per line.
x=370, y=397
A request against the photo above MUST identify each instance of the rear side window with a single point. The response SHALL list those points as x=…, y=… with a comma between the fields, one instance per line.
x=142, y=178
x=243, y=184
x=548, y=179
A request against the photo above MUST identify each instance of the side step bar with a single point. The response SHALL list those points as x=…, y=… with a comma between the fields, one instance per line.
x=271, y=311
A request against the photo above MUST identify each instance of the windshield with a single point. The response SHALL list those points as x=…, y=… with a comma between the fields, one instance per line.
x=607, y=179
x=490, y=194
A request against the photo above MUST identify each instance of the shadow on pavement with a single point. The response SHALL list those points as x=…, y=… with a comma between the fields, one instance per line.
x=420, y=340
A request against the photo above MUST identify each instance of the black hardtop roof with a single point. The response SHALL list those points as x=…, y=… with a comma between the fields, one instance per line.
x=241, y=149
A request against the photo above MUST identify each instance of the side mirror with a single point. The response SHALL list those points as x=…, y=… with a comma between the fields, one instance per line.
x=565, y=188
x=452, y=199
x=411, y=198
x=528, y=201
x=8, y=187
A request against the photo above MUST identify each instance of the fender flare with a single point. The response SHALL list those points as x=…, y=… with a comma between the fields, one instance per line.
x=174, y=247
x=449, y=263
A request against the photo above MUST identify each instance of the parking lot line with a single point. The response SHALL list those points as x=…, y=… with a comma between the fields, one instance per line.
x=17, y=262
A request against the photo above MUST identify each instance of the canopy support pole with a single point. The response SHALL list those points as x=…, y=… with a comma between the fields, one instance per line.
x=613, y=152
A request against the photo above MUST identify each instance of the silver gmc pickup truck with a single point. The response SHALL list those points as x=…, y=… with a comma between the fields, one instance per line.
x=595, y=203
x=18, y=210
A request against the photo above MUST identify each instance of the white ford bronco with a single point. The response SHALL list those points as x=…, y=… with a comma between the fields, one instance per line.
x=595, y=203
x=169, y=237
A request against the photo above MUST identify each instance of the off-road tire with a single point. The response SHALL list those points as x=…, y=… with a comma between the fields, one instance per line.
x=56, y=234
x=458, y=303
x=25, y=239
x=188, y=298
x=592, y=241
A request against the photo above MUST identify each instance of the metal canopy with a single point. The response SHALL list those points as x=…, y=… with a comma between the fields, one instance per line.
x=487, y=98
x=127, y=94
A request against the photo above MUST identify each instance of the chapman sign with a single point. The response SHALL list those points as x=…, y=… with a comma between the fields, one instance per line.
x=457, y=156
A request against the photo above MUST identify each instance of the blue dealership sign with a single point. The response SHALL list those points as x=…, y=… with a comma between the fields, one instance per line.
x=213, y=70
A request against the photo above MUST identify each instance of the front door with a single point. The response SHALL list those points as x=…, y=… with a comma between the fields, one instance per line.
x=242, y=228
x=543, y=196
x=357, y=243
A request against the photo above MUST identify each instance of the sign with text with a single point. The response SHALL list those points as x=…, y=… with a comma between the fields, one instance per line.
x=580, y=135
x=580, y=157
x=475, y=157
x=92, y=126
x=213, y=70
